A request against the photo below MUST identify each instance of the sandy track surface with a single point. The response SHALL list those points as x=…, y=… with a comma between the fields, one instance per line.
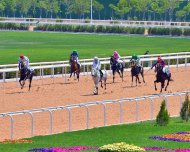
x=48, y=94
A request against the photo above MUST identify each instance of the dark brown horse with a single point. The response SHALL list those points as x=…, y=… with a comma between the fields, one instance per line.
x=75, y=68
x=135, y=71
x=25, y=74
x=161, y=77
x=116, y=67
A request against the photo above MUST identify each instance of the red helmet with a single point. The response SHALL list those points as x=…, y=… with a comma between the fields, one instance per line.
x=159, y=58
x=22, y=56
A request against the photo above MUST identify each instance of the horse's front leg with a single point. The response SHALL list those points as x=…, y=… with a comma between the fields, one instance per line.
x=101, y=84
x=142, y=74
x=113, y=76
x=70, y=74
x=167, y=85
x=155, y=85
x=162, y=86
x=132, y=80
x=105, y=84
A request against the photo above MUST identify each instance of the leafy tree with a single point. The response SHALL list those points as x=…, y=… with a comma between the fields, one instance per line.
x=185, y=110
x=24, y=7
x=121, y=8
x=162, y=118
x=143, y=6
x=2, y=6
x=68, y=7
x=181, y=15
x=98, y=7
x=81, y=7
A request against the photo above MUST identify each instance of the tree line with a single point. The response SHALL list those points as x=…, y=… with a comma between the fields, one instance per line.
x=170, y=10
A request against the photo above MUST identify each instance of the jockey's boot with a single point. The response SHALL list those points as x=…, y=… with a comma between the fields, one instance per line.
x=78, y=66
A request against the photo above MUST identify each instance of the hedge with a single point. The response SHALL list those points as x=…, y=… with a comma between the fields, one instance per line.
x=97, y=29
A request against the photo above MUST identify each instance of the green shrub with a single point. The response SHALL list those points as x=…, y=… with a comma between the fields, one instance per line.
x=185, y=110
x=120, y=147
x=186, y=32
x=162, y=118
x=176, y=31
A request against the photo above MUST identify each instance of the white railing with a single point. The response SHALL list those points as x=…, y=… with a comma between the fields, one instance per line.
x=36, y=21
x=101, y=59
x=87, y=65
x=87, y=105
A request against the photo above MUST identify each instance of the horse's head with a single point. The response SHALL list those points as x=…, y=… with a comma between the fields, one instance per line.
x=133, y=63
x=22, y=66
x=112, y=60
x=73, y=59
x=158, y=68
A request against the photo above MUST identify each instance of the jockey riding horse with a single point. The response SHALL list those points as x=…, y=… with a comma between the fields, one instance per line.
x=25, y=73
x=116, y=67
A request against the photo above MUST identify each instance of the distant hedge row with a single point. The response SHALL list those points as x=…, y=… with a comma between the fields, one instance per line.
x=98, y=29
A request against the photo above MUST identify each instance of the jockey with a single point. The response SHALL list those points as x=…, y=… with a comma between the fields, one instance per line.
x=25, y=60
x=76, y=55
x=137, y=59
x=117, y=57
x=162, y=63
x=97, y=65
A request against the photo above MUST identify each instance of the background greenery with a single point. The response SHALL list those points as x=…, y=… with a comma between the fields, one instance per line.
x=137, y=134
x=43, y=46
x=176, y=10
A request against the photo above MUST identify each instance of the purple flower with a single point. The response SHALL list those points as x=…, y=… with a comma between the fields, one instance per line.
x=63, y=149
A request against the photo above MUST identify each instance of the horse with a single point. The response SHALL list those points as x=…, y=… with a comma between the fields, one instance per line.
x=135, y=71
x=116, y=67
x=74, y=67
x=25, y=74
x=97, y=78
x=161, y=77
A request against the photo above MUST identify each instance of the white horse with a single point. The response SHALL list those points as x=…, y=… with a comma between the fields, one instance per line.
x=96, y=79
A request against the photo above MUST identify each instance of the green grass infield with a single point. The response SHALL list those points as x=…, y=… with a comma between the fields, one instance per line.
x=137, y=134
x=43, y=46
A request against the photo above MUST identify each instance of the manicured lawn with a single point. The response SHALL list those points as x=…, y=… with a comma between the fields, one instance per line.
x=39, y=46
x=137, y=134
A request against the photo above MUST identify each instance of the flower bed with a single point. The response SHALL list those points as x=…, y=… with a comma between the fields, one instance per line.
x=120, y=147
x=178, y=137
x=166, y=149
x=64, y=149
x=9, y=141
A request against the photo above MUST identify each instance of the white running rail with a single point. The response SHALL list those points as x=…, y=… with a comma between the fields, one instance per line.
x=87, y=105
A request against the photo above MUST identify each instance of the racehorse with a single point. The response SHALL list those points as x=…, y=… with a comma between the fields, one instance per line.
x=116, y=67
x=161, y=77
x=74, y=67
x=135, y=71
x=25, y=74
x=96, y=78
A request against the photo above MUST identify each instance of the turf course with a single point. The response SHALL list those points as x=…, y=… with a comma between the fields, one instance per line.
x=137, y=134
x=39, y=46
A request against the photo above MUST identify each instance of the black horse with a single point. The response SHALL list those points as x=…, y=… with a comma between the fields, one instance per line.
x=75, y=68
x=116, y=67
x=135, y=71
x=25, y=74
x=162, y=77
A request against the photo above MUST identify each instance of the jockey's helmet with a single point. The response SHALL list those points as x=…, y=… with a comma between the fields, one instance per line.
x=22, y=56
x=74, y=51
x=96, y=59
x=115, y=53
x=159, y=58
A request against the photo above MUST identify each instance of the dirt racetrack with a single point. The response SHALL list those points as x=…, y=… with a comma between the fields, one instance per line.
x=59, y=93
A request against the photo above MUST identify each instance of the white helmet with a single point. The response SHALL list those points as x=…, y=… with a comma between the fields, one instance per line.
x=96, y=59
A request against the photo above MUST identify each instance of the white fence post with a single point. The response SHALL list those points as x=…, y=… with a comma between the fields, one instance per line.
x=32, y=124
x=11, y=126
